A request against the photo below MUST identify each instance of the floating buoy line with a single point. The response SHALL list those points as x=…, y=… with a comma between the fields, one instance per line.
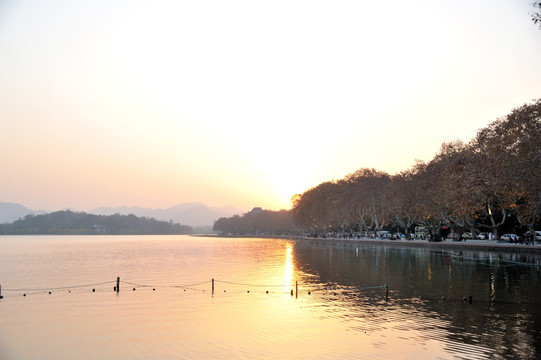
x=327, y=289
x=132, y=286
x=330, y=290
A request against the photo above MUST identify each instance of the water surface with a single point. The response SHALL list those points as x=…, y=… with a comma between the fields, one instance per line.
x=340, y=308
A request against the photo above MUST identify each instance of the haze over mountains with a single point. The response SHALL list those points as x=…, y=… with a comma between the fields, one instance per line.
x=192, y=214
x=10, y=212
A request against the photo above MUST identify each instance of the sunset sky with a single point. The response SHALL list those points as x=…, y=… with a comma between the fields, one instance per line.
x=244, y=103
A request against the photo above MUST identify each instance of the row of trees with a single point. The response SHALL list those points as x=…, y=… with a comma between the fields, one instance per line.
x=483, y=184
x=259, y=222
x=479, y=184
x=80, y=223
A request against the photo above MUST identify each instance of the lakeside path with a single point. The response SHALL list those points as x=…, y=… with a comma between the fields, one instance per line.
x=472, y=245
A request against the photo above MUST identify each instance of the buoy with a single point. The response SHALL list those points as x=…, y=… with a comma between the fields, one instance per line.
x=443, y=297
x=224, y=290
x=24, y=294
x=309, y=292
x=49, y=293
x=153, y=289
x=93, y=290
x=464, y=299
x=248, y=291
x=267, y=291
x=133, y=289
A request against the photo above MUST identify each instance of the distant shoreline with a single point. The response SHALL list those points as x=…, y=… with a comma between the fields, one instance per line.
x=475, y=245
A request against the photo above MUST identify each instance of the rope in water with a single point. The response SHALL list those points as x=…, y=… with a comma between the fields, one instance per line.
x=187, y=286
x=59, y=287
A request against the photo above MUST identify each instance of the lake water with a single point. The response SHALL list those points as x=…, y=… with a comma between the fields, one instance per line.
x=340, y=309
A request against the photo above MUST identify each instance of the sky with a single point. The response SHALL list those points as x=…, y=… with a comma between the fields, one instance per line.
x=244, y=103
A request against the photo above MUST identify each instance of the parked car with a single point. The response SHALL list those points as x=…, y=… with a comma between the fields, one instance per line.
x=510, y=237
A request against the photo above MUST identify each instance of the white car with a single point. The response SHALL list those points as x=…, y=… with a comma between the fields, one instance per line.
x=510, y=237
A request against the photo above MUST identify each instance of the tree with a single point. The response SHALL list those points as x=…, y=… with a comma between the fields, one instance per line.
x=536, y=16
x=458, y=200
x=403, y=199
x=319, y=208
x=430, y=207
x=522, y=132
x=489, y=160
x=476, y=184
x=259, y=222
x=510, y=156
x=370, y=191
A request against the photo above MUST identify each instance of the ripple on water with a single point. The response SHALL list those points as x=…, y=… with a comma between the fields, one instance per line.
x=338, y=319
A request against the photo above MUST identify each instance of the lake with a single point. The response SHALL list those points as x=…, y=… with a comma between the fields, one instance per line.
x=272, y=299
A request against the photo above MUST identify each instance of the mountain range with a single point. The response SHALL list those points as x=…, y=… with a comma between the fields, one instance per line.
x=192, y=214
x=10, y=212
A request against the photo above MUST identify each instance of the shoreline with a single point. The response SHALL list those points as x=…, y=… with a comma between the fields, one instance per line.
x=475, y=245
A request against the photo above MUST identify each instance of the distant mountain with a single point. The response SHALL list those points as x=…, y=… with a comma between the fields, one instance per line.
x=67, y=222
x=192, y=214
x=10, y=212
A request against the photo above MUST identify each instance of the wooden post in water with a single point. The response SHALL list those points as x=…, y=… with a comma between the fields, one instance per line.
x=118, y=284
x=296, y=289
x=213, y=285
x=1, y=297
x=386, y=292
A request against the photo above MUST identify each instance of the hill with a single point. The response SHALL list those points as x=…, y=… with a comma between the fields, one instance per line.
x=192, y=214
x=9, y=212
x=78, y=223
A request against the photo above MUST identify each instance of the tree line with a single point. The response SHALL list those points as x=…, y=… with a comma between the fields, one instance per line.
x=490, y=183
x=80, y=223
x=259, y=222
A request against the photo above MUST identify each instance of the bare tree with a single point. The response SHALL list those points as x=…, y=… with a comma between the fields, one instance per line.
x=403, y=199
x=536, y=16
x=475, y=184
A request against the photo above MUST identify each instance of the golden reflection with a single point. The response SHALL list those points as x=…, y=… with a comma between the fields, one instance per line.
x=492, y=285
x=288, y=268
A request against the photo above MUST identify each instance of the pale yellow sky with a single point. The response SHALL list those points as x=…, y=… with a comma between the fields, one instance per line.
x=244, y=103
